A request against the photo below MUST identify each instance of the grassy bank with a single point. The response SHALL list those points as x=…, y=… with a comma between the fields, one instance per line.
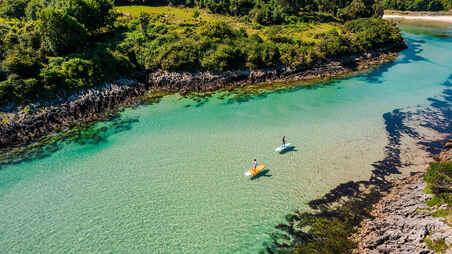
x=439, y=183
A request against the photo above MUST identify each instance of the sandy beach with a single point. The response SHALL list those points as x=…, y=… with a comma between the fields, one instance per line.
x=444, y=19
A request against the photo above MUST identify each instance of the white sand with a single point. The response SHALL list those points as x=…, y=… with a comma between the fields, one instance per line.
x=446, y=19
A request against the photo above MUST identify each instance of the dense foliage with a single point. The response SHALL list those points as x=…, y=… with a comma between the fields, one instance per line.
x=54, y=47
x=216, y=46
x=439, y=182
x=278, y=11
x=418, y=5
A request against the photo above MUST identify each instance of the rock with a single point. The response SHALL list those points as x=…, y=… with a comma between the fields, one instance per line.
x=85, y=106
x=88, y=105
x=399, y=225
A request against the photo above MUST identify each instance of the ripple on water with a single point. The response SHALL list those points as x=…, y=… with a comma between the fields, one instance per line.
x=171, y=180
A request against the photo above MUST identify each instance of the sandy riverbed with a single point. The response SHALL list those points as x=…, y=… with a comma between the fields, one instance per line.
x=445, y=19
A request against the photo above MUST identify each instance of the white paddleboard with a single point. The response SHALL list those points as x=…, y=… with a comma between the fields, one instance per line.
x=283, y=147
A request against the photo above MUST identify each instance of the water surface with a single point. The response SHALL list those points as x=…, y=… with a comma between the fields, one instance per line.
x=174, y=183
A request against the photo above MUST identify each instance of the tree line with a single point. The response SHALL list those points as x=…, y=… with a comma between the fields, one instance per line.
x=418, y=5
x=278, y=11
x=52, y=48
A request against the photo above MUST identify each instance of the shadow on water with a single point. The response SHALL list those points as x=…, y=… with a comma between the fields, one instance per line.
x=198, y=100
x=395, y=128
x=373, y=76
x=264, y=173
x=409, y=55
x=88, y=134
x=439, y=117
x=412, y=53
x=288, y=150
x=345, y=206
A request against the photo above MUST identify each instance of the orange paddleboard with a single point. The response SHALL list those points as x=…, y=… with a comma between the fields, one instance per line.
x=257, y=170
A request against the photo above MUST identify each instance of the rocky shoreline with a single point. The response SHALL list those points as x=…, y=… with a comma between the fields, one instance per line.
x=206, y=82
x=402, y=220
x=19, y=127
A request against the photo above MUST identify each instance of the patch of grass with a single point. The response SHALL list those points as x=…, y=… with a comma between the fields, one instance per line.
x=177, y=14
x=424, y=209
x=435, y=201
x=303, y=32
x=439, y=183
x=438, y=245
x=441, y=213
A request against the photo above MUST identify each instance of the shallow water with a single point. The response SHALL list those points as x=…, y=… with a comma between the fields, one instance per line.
x=174, y=183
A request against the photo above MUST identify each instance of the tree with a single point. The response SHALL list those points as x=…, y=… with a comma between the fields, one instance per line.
x=13, y=8
x=33, y=8
x=92, y=14
x=435, y=5
x=60, y=32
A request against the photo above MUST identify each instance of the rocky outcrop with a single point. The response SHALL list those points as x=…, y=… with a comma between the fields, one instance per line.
x=402, y=220
x=38, y=120
x=25, y=126
x=202, y=82
x=446, y=154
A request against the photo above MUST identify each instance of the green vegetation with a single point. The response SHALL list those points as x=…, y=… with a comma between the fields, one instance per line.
x=327, y=231
x=277, y=11
x=56, y=47
x=418, y=5
x=50, y=48
x=437, y=245
x=439, y=182
x=441, y=213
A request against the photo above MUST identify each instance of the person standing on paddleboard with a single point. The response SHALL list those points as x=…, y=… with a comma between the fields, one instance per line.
x=284, y=140
x=254, y=164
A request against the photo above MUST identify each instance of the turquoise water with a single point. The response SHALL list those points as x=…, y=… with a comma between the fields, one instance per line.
x=174, y=183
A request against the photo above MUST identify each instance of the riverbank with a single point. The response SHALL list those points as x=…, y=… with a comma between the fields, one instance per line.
x=418, y=13
x=26, y=125
x=446, y=18
x=402, y=222
x=357, y=216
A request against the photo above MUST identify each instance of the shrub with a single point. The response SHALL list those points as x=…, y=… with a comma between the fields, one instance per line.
x=217, y=30
x=13, y=8
x=224, y=58
x=439, y=174
x=61, y=33
x=70, y=73
x=21, y=62
x=180, y=56
x=261, y=54
x=19, y=90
